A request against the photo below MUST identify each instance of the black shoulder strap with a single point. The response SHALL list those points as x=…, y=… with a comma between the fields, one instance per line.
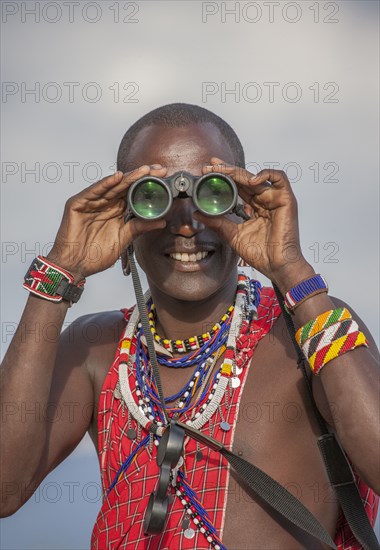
x=336, y=462
x=265, y=486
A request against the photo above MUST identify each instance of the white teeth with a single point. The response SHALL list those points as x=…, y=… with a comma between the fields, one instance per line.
x=184, y=257
x=200, y=255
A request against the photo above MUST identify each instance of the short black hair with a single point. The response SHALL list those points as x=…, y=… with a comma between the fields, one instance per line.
x=176, y=115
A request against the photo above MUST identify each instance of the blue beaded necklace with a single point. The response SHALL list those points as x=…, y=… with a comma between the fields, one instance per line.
x=149, y=401
x=145, y=378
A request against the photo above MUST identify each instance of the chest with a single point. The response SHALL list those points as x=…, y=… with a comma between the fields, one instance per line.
x=276, y=430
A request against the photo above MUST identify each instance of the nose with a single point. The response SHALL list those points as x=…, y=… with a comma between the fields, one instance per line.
x=180, y=219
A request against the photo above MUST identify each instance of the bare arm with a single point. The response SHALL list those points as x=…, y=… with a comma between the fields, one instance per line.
x=47, y=394
x=347, y=395
x=351, y=382
x=38, y=428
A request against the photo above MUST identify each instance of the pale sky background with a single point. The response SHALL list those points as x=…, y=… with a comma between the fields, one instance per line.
x=98, y=66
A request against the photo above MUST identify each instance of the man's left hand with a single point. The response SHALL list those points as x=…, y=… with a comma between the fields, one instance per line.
x=269, y=241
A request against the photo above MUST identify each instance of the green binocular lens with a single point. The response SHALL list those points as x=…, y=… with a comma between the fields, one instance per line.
x=214, y=195
x=151, y=198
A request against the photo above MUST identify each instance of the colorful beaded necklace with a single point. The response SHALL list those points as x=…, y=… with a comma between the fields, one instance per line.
x=147, y=412
x=189, y=344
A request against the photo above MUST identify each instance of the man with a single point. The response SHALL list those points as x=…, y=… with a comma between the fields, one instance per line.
x=190, y=261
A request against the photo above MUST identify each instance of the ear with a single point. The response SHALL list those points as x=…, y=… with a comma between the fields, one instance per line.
x=125, y=263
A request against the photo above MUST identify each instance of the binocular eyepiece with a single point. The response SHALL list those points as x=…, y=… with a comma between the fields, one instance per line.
x=213, y=194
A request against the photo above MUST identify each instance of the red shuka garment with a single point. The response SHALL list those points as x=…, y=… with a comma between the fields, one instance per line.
x=120, y=521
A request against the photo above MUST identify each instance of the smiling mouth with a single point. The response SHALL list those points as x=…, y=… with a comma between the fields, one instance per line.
x=194, y=257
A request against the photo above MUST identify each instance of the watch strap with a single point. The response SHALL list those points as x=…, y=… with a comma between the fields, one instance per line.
x=52, y=282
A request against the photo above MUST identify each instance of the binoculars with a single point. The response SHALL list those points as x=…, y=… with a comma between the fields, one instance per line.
x=213, y=194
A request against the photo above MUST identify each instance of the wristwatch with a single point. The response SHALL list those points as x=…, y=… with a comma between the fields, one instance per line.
x=51, y=282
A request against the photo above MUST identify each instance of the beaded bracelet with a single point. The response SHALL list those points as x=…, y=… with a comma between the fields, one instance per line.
x=323, y=321
x=303, y=291
x=328, y=336
x=51, y=282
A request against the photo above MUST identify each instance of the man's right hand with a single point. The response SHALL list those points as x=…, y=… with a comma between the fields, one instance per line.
x=93, y=233
x=43, y=370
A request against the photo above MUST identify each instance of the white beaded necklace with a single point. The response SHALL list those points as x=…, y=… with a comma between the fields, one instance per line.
x=227, y=372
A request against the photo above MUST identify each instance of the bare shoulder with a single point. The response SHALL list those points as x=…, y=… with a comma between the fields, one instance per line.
x=88, y=337
x=94, y=328
x=85, y=352
x=90, y=343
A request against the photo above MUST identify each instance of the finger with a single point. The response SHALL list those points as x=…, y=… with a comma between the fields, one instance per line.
x=244, y=176
x=239, y=174
x=111, y=183
x=99, y=188
x=136, y=226
x=220, y=162
x=115, y=186
x=271, y=188
x=158, y=170
x=225, y=228
x=268, y=176
x=268, y=182
x=144, y=170
x=98, y=195
x=219, y=165
x=246, y=182
x=277, y=178
x=228, y=168
x=129, y=178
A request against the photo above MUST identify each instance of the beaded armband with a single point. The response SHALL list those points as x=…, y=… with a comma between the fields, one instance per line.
x=51, y=282
x=328, y=336
x=303, y=291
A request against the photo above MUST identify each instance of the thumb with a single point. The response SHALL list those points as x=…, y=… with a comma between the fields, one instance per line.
x=135, y=227
x=224, y=227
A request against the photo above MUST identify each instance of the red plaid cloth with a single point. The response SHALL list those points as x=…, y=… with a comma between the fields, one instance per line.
x=120, y=520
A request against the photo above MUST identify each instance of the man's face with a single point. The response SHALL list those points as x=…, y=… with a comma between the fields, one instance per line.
x=170, y=256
